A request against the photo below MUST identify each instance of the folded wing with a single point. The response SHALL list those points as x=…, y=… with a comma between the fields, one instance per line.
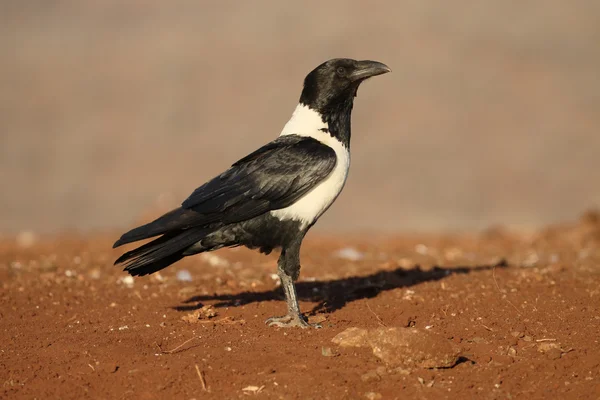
x=273, y=177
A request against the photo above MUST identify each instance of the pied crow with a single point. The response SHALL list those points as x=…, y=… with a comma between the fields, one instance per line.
x=270, y=198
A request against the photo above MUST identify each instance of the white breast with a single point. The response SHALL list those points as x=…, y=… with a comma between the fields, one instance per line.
x=306, y=122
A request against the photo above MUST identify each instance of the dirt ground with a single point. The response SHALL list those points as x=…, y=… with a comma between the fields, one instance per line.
x=520, y=311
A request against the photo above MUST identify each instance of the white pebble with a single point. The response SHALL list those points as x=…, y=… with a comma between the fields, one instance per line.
x=421, y=249
x=214, y=260
x=349, y=253
x=184, y=275
x=127, y=281
x=94, y=274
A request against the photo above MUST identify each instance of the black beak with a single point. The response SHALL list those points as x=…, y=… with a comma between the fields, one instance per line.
x=366, y=69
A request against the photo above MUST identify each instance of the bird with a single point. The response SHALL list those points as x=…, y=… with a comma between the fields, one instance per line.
x=269, y=199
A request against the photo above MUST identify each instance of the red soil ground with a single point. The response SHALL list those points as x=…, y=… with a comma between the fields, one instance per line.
x=523, y=310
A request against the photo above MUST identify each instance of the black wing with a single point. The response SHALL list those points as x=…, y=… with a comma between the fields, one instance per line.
x=273, y=177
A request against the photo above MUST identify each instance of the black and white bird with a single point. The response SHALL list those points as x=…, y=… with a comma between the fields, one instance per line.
x=270, y=198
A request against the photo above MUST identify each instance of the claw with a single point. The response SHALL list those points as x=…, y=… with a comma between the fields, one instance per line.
x=290, y=321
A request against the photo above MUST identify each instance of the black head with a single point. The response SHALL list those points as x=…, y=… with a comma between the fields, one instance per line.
x=334, y=83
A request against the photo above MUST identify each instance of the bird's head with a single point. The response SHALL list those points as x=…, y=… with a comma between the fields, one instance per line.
x=335, y=82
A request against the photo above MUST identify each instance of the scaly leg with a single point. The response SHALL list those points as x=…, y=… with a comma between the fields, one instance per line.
x=288, y=269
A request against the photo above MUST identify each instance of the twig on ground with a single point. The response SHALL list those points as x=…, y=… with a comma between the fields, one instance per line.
x=202, y=380
x=500, y=291
x=376, y=316
x=225, y=321
x=176, y=348
x=546, y=340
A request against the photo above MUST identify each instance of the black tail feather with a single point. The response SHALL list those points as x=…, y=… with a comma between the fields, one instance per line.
x=175, y=220
x=161, y=252
x=146, y=269
x=146, y=247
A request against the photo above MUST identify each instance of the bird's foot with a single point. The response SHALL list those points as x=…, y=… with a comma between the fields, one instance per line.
x=290, y=321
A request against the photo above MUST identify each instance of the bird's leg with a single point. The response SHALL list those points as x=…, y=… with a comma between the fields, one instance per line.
x=288, y=269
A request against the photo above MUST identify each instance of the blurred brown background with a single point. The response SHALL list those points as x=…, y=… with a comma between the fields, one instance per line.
x=111, y=108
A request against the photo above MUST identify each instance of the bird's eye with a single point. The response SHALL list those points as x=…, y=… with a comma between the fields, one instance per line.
x=341, y=71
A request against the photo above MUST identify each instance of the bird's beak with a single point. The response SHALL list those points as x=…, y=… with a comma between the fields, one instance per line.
x=366, y=69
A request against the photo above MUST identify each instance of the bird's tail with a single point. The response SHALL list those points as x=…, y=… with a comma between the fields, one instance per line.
x=161, y=252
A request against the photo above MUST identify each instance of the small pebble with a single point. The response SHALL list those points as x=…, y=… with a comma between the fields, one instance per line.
x=327, y=352
x=214, y=260
x=421, y=249
x=349, y=253
x=127, y=281
x=184, y=275
x=370, y=376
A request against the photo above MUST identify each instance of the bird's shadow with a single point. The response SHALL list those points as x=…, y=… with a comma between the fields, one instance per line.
x=332, y=295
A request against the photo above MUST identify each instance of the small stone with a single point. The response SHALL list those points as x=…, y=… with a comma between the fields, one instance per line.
x=544, y=347
x=127, y=281
x=327, y=352
x=402, y=346
x=531, y=260
x=453, y=253
x=421, y=249
x=484, y=359
x=94, y=273
x=370, y=376
x=214, y=260
x=351, y=337
x=184, y=275
x=402, y=371
x=350, y=254
x=204, y=313
x=317, y=319
x=253, y=389
x=373, y=396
